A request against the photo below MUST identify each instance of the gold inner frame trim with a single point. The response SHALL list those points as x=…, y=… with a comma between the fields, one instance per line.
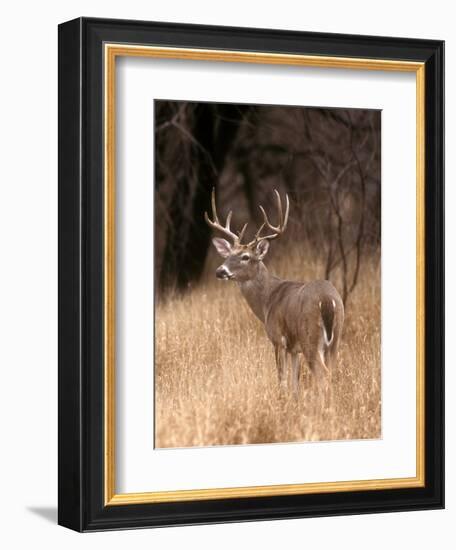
x=111, y=52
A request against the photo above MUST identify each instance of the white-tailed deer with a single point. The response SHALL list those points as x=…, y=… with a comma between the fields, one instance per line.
x=300, y=318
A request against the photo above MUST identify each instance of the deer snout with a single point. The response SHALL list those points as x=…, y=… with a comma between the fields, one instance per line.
x=223, y=273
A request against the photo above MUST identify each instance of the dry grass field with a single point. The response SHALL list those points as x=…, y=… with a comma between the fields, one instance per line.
x=215, y=374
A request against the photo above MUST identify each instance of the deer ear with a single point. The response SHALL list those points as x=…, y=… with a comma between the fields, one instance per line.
x=262, y=249
x=222, y=246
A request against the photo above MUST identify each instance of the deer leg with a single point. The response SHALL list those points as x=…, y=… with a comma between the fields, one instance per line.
x=324, y=377
x=296, y=368
x=331, y=356
x=281, y=363
x=318, y=369
x=320, y=361
x=332, y=353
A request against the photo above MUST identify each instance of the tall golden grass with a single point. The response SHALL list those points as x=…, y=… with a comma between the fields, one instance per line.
x=215, y=374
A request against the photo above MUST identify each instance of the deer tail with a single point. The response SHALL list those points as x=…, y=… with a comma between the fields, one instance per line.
x=327, y=310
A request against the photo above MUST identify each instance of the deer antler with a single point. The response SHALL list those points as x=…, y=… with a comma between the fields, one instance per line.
x=215, y=223
x=277, y=230
x=226, y=229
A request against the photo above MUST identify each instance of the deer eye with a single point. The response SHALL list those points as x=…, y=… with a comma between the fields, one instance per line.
x=245, y=257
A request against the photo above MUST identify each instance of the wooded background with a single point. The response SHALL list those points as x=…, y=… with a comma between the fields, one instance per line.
x=328, y=161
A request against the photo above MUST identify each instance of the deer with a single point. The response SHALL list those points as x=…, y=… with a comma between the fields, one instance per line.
x=301, y=319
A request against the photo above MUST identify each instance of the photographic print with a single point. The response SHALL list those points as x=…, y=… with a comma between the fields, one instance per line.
x=267, y=274
x=250, y=274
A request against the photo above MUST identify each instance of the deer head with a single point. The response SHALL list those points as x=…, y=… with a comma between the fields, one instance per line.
x=242, y=260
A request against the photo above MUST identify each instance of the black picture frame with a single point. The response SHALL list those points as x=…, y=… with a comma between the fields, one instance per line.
x=81, y=428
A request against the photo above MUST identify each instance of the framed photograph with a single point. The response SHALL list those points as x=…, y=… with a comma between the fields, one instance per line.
x=250, y=274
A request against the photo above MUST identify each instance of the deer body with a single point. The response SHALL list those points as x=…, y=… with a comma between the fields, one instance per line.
x=300, y=319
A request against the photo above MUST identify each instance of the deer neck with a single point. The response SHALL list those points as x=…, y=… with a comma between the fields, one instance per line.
x=256, y=291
